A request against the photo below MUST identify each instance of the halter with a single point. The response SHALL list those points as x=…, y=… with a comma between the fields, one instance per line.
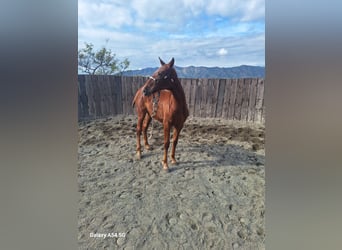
x=165, y=77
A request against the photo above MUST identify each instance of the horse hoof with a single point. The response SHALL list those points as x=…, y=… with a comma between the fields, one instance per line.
x=148, y=147
x=138, y=155
x=173, y=161
x=165, y=166
x=166, y=170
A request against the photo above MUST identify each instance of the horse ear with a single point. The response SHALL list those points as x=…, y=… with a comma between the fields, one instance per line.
x=172, y=62
x=161, y=61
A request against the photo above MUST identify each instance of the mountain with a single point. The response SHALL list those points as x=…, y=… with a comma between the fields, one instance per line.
x=243, y=71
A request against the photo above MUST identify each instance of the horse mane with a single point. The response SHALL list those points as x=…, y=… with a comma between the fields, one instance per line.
x=179, y=92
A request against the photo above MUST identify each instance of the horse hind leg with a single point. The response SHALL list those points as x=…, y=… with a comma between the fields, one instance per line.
x=138, y=133
x=145, y=126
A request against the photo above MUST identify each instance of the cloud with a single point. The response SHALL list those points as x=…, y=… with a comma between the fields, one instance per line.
x=222, y=52
x=195, y=32
x=238, y=10
x=116, y=14
x=97, y=14
x=143, y=51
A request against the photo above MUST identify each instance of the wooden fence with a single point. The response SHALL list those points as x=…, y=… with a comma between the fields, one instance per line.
x=234, y=99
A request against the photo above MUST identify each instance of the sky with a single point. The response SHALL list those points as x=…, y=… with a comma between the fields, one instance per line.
x=212, y=33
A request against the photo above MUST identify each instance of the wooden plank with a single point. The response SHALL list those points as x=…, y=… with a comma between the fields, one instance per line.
x=124, y=94
x=186, y=84
x=128, y=84
x=83, y=108
x=203, y=103
x=252, y=100
x=209, y=93
x=90, y=93
x=232, y=99
x=225, y=105
x=238, y=101
x=118, y=91
x=92, y=83
x=245, y=99
x=192, y=97
x=115, y=94
x=220, y=97
x=108, y=99
x=101, y=94
x=259, y=101
x=216, y=83
x=130, y=95
x=105, y=95
x=112, y=96
x=198, y=97
x=136, y=83
x=204, y=97
x=127, y=93
x=97, y=101
x=98, y=97
x=263, y=110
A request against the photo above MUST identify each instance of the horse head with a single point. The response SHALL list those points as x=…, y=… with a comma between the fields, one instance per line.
x=163, y=78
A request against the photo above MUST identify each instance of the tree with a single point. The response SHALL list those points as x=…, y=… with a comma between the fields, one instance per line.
x=101, y=62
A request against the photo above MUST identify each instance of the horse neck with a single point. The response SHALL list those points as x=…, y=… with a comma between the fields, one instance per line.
x=179, y=92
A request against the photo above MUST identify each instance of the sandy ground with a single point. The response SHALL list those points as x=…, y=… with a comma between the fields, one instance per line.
x=212, y=199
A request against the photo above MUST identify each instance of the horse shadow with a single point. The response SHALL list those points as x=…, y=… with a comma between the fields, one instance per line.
x=215, y=155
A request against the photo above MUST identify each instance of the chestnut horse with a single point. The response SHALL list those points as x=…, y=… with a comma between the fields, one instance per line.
x=161, y=98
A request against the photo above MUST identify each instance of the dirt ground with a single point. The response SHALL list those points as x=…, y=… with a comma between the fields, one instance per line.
x=214, y=198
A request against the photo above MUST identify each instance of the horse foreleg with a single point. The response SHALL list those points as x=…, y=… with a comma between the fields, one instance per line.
x=166, y=144
x=175, y=136
x=139, y=125
x=146, y=123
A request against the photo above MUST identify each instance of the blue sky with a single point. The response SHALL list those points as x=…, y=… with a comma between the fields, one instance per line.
x=223, y=33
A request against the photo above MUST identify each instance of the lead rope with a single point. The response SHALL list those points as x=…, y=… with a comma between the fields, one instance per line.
x=154, y=110
x=151, y=130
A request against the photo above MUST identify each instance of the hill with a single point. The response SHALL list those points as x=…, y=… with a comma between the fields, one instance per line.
x=243, y=71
